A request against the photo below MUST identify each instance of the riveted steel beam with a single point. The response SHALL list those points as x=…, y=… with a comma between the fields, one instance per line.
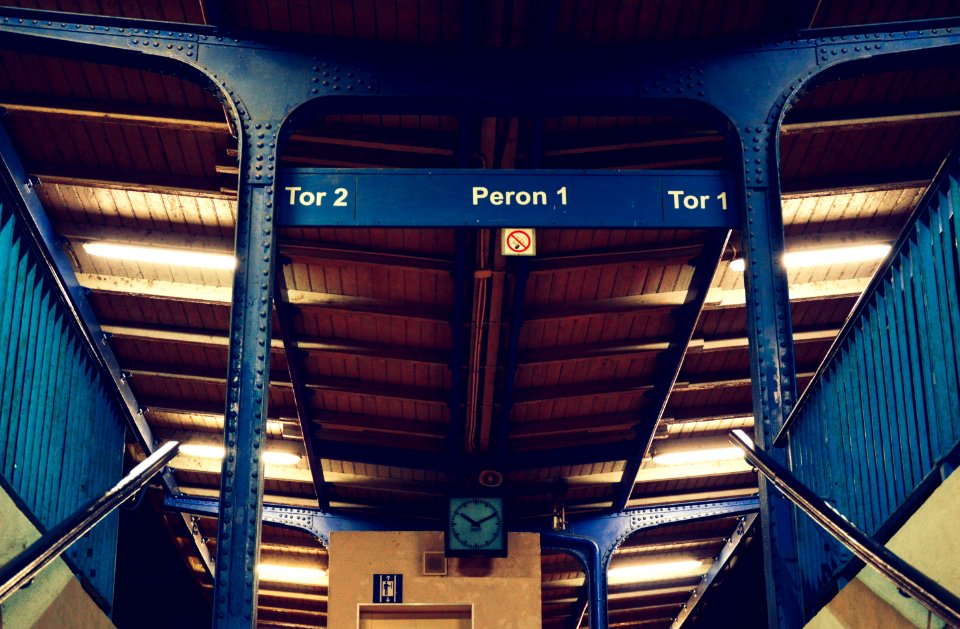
x=670, y=361
x=298, y=385
x=723, y=557
x=746, y=87
x=591, y=540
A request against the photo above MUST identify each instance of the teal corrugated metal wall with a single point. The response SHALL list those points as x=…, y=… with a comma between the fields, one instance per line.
x=885, y=407
x=61, y=433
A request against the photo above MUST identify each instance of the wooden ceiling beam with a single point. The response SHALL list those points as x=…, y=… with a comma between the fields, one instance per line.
x=608, y=349
x=400, y=141
x=294, y=250
x=608, y=422
x=681, y=254
x=223, y=295
x=341, y=423
x=858, y=182
x=196, y=120
x=443, y=144
x=659, y=498
x=349, y=386
x=302, y=476
x=213, y=408
x=315, y=346
x=859, y=119
x=573, y=144
x=717, y=298
x=299, y=473
x=635, y=386
x=713, y=411
x=73, y=175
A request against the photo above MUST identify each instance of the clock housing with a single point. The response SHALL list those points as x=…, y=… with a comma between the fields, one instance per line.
x=476, y=528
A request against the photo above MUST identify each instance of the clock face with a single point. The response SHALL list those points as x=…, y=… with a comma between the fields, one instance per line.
x=475, y=527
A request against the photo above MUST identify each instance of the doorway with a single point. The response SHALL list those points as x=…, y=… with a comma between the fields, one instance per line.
x=415, y=617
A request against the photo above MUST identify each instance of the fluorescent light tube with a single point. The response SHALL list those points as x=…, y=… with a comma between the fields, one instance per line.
x=702, y=455
x=278, y=457
x=291, y=574
x=822, y=257
x=207, y=451
x=202, y=451
x=161, y=255
x=659, y=571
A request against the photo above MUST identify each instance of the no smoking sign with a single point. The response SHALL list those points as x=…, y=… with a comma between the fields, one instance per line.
x=518, y=242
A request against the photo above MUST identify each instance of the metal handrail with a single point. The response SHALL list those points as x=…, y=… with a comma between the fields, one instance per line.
x=925, y=590
x=25, y=566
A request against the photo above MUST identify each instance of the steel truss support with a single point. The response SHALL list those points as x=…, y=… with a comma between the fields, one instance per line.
x=723, y=557
x=301, y=399
x=746, y=87
x=670, y=361
x=592, y=540
x=588, y=553
x=315, y=522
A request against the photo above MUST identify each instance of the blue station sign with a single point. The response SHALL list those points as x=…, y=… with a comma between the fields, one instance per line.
x=313, y=197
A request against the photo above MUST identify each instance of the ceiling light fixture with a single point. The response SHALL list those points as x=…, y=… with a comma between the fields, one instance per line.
x=277, y=457
x=822, y=257
x=277, y=573
x=161, y=255
x=209, y=451
x=702, y=455
x=659, y=571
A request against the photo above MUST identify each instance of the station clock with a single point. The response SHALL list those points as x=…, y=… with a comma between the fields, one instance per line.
x=476, y=528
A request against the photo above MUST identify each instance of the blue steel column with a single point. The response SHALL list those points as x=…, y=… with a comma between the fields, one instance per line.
x=772, y=366
x=241, y=481
x=588, y=552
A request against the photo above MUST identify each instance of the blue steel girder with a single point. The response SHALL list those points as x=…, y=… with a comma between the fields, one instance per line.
x=587, y=552
x=611, y=530
x=719, y=563
x=670, y=361
x=746, y=86
x=316, y=522
x=301, y=399
x=592, y=539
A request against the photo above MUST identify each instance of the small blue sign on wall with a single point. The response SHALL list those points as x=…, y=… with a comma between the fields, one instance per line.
x=388, y=588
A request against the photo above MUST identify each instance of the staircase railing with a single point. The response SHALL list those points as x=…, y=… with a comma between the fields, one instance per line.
x=925, y=590
x=882, y=414
x=25, y=566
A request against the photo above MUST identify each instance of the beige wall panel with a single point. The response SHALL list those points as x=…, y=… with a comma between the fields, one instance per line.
x=504, y=592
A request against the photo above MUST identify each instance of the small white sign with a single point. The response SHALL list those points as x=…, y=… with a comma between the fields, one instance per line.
x=518, y=242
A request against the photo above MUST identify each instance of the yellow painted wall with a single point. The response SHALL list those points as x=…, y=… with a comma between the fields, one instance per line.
x=927, y=541
x=55, y=599
x=504, y=592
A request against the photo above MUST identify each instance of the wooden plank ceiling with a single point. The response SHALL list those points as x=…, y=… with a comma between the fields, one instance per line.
x=129, y=156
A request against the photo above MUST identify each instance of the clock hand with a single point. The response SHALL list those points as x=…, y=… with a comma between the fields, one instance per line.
x=469, y=519
x=489, y=517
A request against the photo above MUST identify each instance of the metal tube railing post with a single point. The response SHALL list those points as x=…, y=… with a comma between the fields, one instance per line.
x=925, y=590
x=25, y=566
